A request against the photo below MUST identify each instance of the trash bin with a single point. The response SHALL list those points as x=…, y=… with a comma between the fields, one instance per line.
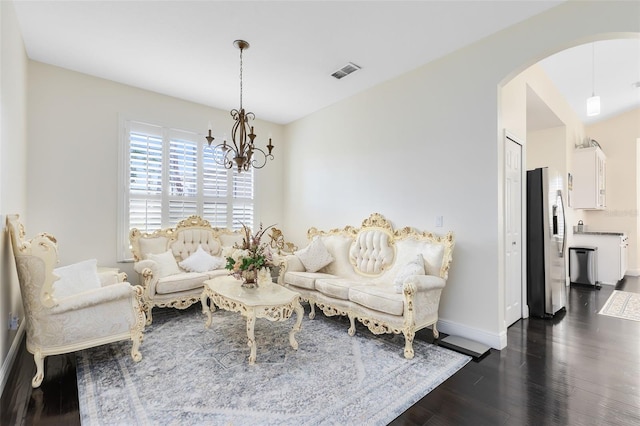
x=583, y=268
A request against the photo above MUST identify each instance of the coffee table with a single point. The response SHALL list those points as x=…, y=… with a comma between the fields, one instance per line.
x=270, y=301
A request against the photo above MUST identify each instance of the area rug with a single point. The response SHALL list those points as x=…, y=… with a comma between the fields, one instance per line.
x=622, y=304
x=190, y=375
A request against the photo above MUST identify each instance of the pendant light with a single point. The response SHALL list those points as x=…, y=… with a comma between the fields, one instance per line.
x=593, y=103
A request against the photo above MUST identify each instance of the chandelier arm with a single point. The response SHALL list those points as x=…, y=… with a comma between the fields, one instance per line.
x=223, y=158
x=258, y=163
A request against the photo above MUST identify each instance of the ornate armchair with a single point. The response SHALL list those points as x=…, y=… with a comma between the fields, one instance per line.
x=110, y=311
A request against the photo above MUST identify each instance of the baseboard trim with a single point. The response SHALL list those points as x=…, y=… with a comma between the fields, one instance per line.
x=11, y=356
x=496, y=341
x=633, y=272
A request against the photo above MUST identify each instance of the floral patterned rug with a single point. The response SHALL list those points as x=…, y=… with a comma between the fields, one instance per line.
x=622, y=304
x=193, y=375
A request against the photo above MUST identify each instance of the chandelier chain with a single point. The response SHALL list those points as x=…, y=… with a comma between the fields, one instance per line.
x=241, y=49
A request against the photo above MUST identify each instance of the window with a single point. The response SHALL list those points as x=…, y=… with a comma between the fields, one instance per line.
x=167, y=176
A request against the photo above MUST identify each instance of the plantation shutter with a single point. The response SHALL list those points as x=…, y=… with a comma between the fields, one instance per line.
x=145, y=177
x=170, y=176
x=242, y=199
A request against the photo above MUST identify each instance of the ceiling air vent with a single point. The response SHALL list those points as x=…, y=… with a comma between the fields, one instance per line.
x=346, y=70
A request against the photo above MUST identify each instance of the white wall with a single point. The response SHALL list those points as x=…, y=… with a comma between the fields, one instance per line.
x=13, y=143
x=73, y=157
x=430, y=143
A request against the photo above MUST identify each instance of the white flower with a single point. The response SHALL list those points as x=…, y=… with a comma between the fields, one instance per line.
x=240, y=254
x=264, y=276
x=228, y=251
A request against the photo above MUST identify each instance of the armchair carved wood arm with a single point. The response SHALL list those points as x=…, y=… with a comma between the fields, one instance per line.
x=108, y=313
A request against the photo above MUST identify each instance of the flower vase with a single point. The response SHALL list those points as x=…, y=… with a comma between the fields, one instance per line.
x=249, y=279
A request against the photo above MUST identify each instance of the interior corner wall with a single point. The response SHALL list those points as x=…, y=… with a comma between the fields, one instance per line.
x=428, y=144
x=617, y=136
x=73, y=157
x=13, y=145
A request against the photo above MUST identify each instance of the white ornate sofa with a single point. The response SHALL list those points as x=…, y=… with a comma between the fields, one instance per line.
x=160, y=259
x=74, y=307
x=389, y=280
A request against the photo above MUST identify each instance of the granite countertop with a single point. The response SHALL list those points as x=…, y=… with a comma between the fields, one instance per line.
x=617, y=234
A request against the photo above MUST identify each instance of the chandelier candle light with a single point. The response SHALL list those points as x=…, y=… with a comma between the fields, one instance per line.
x=242, y=152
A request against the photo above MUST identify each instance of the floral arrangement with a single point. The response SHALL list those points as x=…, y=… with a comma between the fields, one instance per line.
x=247, y=261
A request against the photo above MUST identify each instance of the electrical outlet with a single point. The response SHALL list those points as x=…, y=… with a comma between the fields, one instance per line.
x=13, y=322
x=439, y=220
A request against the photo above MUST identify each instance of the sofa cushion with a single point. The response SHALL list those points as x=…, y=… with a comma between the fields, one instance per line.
x=415, y=267
x=153, y=245
x=217, y=273
x=338, y=246
x=76, y=278
x=380, y=298
x=167, y=264
x=315, y=256
x=336, y=287
x=433, y=254
x=180, y=282
x=201, y=261
x=304, y=279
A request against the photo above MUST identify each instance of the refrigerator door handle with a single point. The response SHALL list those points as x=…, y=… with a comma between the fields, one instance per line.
x=564, y=225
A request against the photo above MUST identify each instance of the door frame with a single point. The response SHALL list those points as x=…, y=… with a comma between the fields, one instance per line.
x=524, y=308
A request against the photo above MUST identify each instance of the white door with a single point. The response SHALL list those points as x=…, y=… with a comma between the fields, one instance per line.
x=513, y=230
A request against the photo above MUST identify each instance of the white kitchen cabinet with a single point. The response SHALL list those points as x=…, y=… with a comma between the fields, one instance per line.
x=588, y=179
x=612, y=253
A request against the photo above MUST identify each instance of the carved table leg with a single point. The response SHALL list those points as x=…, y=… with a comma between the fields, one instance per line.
x=251, y=322
x=206, y=310
x=296, y=327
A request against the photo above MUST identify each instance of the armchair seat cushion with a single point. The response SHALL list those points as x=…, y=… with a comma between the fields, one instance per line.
x=305, y=279
x=337, y=288
x=76, y=278
x=181, y=282
x=379, y=298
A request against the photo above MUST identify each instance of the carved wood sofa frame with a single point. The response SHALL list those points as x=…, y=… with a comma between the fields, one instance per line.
x=420, y=296
x=183, y=240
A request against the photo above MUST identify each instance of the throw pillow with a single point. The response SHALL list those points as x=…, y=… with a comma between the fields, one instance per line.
x=201, y=261
x=76, y=278
x=415, y=267
x=315, y=256
x=167, y=264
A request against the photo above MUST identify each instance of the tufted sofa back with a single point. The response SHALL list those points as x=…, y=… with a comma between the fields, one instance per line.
x=378, y=251
x=372, y=252
x=186, y=241
x=183, y=240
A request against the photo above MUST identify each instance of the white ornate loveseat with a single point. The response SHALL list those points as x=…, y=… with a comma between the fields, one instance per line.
x=389, y=280
x=74, y=307
x=160, y=259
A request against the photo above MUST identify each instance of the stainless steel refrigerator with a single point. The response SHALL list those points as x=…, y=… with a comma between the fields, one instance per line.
x=546, y=241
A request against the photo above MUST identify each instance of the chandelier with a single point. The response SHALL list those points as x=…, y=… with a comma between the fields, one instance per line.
x=241, y=152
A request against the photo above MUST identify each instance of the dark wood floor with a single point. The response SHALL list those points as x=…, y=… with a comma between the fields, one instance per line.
x=579, y=368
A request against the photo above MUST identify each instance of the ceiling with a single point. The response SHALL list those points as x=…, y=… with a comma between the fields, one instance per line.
x=185, y=48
